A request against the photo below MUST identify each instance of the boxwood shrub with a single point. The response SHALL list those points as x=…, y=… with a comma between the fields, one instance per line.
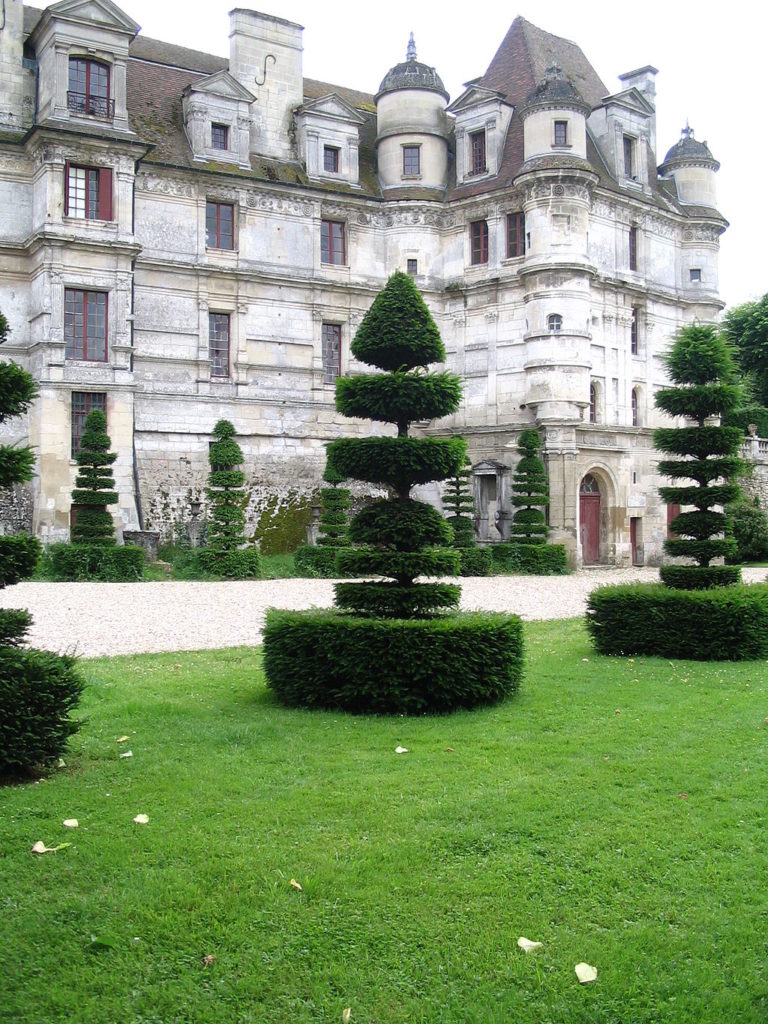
x=397, y=600
x=699, y=577
x=239, y=564
x=535, y=559
x=317, y=562
x=723, y=624
x=327, y=659
x=97, y=562
x=475, y=561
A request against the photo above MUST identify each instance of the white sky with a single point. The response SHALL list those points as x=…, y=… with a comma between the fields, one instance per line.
x=711, y=59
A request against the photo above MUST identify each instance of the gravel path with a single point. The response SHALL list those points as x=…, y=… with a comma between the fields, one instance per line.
x=93, y=619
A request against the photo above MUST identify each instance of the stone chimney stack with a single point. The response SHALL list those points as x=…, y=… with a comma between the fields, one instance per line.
x=644, y=80
x=265, y=57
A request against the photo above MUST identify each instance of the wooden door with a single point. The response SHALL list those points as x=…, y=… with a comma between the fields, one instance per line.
x=589, y=517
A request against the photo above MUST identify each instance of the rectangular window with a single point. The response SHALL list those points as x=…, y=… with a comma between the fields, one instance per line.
x=88, y=91
x=634, y=339
x=477, y=152
x=633, y=248
x=84, y=402
x=333, y=248
x=88, y=193
x=85, y=325
x=219, y=225
x=515, y=235
x=411, y=161
x=561, y=133
x=629, y=157
x=331, y=352
x=413, y=267
x=695, y=275
x=331, y=159
x=479, y=241
x=218, y=344
x=219, y=136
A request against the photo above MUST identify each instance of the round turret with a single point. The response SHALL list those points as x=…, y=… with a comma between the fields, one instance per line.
x=555, y=119
x=412, y=129
x=692, y=167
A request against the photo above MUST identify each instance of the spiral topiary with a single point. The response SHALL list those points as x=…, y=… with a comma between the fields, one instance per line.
x=530, y=492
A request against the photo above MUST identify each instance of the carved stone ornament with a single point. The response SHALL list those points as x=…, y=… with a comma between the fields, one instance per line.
x=166, y=186
x=276, y=204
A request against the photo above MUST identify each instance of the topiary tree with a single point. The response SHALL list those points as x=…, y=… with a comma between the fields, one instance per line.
x=398, y=649
x=38, y=690
x=702, y=373
x=333, y=528
x=458, y=500
x=530, y=492
x=225, y=553
x=94, y=484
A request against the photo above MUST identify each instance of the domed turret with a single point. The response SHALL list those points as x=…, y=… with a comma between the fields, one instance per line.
x=692, y=166
x=412, y=147
x=555, y=118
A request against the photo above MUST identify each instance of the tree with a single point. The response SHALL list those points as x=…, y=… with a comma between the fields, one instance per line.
x=746, y=328
x=458, y=500
x=530, y=492
x=749, y=524
x=702, y=372
x=37, y=689
x=225, y=553
x=94, y=484
x=333, y=527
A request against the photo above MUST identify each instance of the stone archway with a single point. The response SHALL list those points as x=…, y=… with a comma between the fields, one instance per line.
x=589, y=519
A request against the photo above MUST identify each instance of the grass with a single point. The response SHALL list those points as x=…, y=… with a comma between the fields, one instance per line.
x=613, y=810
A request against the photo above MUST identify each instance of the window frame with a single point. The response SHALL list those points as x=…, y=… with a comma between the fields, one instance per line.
x=634, y=401
x=90, y=308
x=630, y=156
x=478, y=153
x=594, y=401
x=515, y=234
x=634, y=332
x=216, y=232
x=633, y=238
x=554, y=323
x=89, y=103
x=330, y=345
x=412, y=266
x=101, y=209
x=221, y=131
x=334, y=248
x=560, y=128
x=697, y=272
x=218, y=354
x=478, y=243
x=411, y=151
x=79, y=416
x=335, y=153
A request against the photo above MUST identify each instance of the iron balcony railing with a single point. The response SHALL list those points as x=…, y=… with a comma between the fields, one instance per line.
x=95, y=106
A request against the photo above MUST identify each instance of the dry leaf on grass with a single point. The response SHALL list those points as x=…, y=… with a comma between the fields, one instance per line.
x=208, y=960
x=450, y=750
x=40, y=847
x=296, y=885
x=142, y=819
x=346, y=1015
x=401, y=750
x=585, y=973
x=527, y=945
x=70, y=823
x=126, y=753
x=121, y=739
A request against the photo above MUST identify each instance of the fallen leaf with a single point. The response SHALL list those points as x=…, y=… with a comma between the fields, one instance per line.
x=121, y=739
x=101, y=942
x=683, y=796
x=126, y=753
x=401, y=750
x=70, y=823
x=61, y=763
x=208, y=960
x=618, y=711
x=142, y=819
x=40, y=847
x=585, y=973
x=527, y=946
x=346, y=1015
x=449, y=750
x=296, y=885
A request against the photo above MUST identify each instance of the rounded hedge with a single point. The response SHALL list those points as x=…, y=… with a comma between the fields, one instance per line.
x=101, y=563
x=406, y=525
x=475, y=562
x=398, y=461
x=400, y=565
x=398, y=397
x=240, y=564
x=531, y=559
x=699, y=577
x=327, y=659
x=317, y=562
x=396, y=600
x=724, y=624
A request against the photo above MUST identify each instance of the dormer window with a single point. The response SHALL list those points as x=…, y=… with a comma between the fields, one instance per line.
x=477, y=160
x=89, y=89
x=561, y=133
x=331, y=159
x=219, y=136
x=630, y=164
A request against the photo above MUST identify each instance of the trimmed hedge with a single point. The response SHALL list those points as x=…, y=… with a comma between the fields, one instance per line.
x=38, y=690
x=240, y=564
x=399, y=565
x=725, y=624
x=397, y=600
x=404, y=525
x=18, y=557
x=699, y=577
x=327, y=659
x=534, y=559
x=103, y=563
x=399, y=461
x=398, y=397
x=317, y=563
x=475, y=562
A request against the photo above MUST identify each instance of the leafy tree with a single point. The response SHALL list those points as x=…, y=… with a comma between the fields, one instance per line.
x=749, y=524
x=530, y=492
x=702, y=372
x=94, y=484
x=225, y=553
x=458, y=500
x=746, y=328
x=37, y=689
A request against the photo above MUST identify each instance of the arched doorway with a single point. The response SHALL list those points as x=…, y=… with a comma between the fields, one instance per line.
x=589, y=520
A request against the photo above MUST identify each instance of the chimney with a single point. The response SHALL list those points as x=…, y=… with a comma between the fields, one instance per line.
x=644, y=80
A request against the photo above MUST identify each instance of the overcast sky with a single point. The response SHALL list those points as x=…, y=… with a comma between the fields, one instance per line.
x=711, y=60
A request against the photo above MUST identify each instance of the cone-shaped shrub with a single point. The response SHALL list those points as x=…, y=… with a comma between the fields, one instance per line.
x=702, y=372
x=94, y=484
x=225, y=553
x=396, y=648
x=458, y=500
x=530, y=492
x=37, y=689
x=333, y=528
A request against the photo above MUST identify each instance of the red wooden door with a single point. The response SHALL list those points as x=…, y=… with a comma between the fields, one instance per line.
x=589, y=516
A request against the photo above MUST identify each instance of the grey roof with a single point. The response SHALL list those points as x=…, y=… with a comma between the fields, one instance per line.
x=412, y=74
x=556, y=90
x=688, y=151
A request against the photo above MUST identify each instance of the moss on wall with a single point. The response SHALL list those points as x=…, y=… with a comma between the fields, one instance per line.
x=282, y=522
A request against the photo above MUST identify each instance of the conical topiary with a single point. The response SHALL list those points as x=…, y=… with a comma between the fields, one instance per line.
x=530, y=492
x=703, y=373
x=458, y=500
x=94, y=484
x=333, y=527
x=225, y=553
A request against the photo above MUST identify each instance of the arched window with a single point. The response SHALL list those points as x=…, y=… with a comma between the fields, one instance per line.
x=554, y=322
x=635, y=408
x=88, y=91
x=589, y=485
x=594, y=398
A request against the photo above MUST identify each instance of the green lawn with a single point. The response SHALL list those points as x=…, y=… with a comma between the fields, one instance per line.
x=616, y=811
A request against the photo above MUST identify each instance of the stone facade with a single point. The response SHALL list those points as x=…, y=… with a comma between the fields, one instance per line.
x=241, y=219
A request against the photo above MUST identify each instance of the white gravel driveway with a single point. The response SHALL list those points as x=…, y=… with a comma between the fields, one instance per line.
x=92, y=619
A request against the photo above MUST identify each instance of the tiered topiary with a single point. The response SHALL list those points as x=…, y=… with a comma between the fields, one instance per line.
x=397, y=649
x=225, y=553
x=38, y=690
x=320, y=560
x=93, y=554
x=700, y=611
x=458, y=500
x=528, y=550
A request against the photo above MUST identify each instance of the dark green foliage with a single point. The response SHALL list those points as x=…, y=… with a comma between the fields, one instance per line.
x=18, y=389
x=746, y=327
x=38, y=691
x=18, y=558
x=403, y=566
x=532, y=559
x=400, y=462
x=225, y=554
x=320, y=562
x=321, y=659
x=395, y=601
x=316, y=562
x=701, y=367
x=746, y=415
x=398, y=397
x=699, y=577
x=530, y=492
x=721, y=624
x=14, y=626
x=463, y=531
x=398, y=332
x=16, y=464
x=475, y=561
x=94, y=484
x=82, y=562
x=458, y=500
x=402, y=525
x=749, y=524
